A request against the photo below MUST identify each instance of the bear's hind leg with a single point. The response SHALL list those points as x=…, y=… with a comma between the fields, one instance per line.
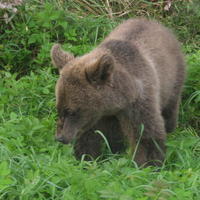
x=152, y=140
x=170, y=115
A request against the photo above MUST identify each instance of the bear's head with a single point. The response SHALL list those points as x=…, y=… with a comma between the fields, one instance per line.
x=84, y=91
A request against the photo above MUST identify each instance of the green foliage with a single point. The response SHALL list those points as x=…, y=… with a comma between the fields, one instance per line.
x=182, y=16
x=5, y=179
x=32, y=164
x=184, y=20
x=191, y=95
x=15, y=94
x=26, y=42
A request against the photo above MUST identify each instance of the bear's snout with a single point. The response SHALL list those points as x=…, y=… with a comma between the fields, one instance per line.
x=61, y=139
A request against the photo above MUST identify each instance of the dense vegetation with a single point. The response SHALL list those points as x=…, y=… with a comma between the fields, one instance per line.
x=32, y=164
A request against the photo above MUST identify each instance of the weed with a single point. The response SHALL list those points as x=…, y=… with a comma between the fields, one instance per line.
x=32, y=164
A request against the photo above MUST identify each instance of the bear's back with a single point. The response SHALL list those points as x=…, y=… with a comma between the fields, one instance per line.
x=158, y=47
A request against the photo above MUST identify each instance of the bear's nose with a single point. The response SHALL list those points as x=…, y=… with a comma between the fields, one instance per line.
x=60, y=138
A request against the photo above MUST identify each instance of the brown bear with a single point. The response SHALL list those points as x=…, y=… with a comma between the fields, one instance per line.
x=133, y=79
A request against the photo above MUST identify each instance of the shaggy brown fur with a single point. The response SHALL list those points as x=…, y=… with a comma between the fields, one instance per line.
x=133, y=78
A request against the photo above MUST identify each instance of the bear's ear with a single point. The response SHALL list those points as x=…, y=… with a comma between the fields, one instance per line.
x=100, y=71
x=59, y=57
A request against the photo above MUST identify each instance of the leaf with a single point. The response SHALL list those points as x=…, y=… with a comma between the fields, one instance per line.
x=45, y=91
x=13, y=116
x=4, y=170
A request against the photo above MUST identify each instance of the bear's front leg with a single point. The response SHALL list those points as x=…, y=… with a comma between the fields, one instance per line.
x=89, y=144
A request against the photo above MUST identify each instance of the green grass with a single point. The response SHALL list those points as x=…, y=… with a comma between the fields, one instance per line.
x=34, y=166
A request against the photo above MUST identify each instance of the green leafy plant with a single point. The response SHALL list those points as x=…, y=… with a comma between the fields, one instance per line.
x=32, y=164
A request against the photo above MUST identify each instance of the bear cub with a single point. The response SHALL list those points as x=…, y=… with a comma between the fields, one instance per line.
x=128, y=88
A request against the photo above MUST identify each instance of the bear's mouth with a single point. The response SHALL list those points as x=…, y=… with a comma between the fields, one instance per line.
x=70, y=136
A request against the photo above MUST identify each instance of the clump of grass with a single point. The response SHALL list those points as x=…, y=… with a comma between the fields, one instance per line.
x=190, y=107
x=32, y=32
x=117, y=9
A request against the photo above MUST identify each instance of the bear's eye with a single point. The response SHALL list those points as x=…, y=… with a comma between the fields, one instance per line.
x=69, y=113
